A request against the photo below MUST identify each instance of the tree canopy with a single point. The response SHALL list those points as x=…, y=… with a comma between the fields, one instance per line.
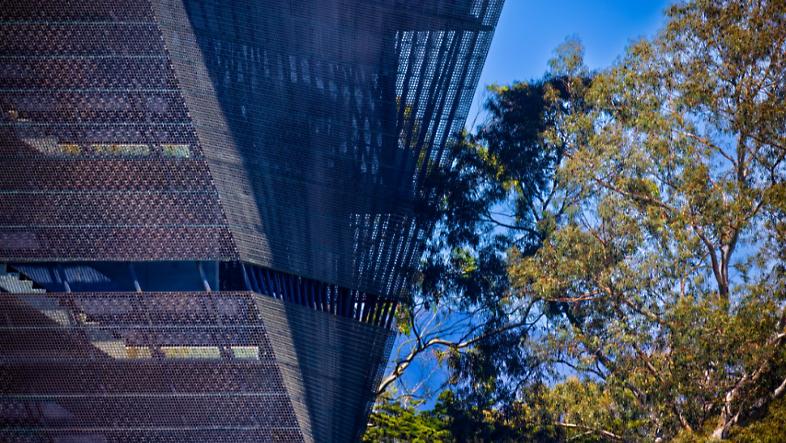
x=614, y=245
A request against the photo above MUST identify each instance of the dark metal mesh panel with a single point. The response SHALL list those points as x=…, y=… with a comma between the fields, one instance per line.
x=174, y=276
x=320, y=296
x=319, y=120
x=186, y=366
x=155, y=367
x=329, y=366
x=98, y=156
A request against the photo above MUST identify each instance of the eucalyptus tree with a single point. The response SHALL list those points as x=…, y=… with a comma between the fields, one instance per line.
x=618, y=238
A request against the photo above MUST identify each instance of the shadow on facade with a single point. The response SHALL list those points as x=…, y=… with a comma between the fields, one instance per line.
x=319, y=120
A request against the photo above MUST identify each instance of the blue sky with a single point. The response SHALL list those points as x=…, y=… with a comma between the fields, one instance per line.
x=524, y=41
x=529, y=30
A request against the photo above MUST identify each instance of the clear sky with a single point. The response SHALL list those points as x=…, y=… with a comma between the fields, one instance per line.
x=529, y=30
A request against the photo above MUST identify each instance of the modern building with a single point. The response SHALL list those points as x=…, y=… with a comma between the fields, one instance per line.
x=208, y=208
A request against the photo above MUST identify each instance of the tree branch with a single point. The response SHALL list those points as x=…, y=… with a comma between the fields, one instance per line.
x=422, y=346
x=601, y=432
x=728, y=416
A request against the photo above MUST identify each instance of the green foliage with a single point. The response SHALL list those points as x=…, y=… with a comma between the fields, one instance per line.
x=642, y=247
x=451, y=420
x=394, y=422
x=771, y=428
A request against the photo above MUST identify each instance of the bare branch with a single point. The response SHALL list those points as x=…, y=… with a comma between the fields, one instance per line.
x=422, y=346
x=601, y=432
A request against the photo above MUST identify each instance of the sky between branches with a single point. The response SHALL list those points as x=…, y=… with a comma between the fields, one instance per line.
x=529, y=30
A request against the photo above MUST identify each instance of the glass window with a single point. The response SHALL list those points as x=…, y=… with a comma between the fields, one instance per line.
x=69, y=148
x=121, y=149
x=176, y=150
x=138, y=352
x=246, y=352
x=191, y=351
x=113, y=348
x=46, y=145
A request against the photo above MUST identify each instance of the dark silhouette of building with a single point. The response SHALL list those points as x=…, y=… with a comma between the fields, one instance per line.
x=207, y=208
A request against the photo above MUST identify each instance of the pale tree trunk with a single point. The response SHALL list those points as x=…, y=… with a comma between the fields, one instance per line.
x=732, y=411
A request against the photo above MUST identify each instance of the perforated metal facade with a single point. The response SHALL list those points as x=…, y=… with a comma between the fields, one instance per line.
x=207, y=208
x=99, y=158
x=319, y=118
x=154, y=367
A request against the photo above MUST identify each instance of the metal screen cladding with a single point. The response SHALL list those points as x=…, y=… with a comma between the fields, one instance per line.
x=319, y=119
x=207, y=208
x=98, y=156
x=152, y=367
x=180, y=366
